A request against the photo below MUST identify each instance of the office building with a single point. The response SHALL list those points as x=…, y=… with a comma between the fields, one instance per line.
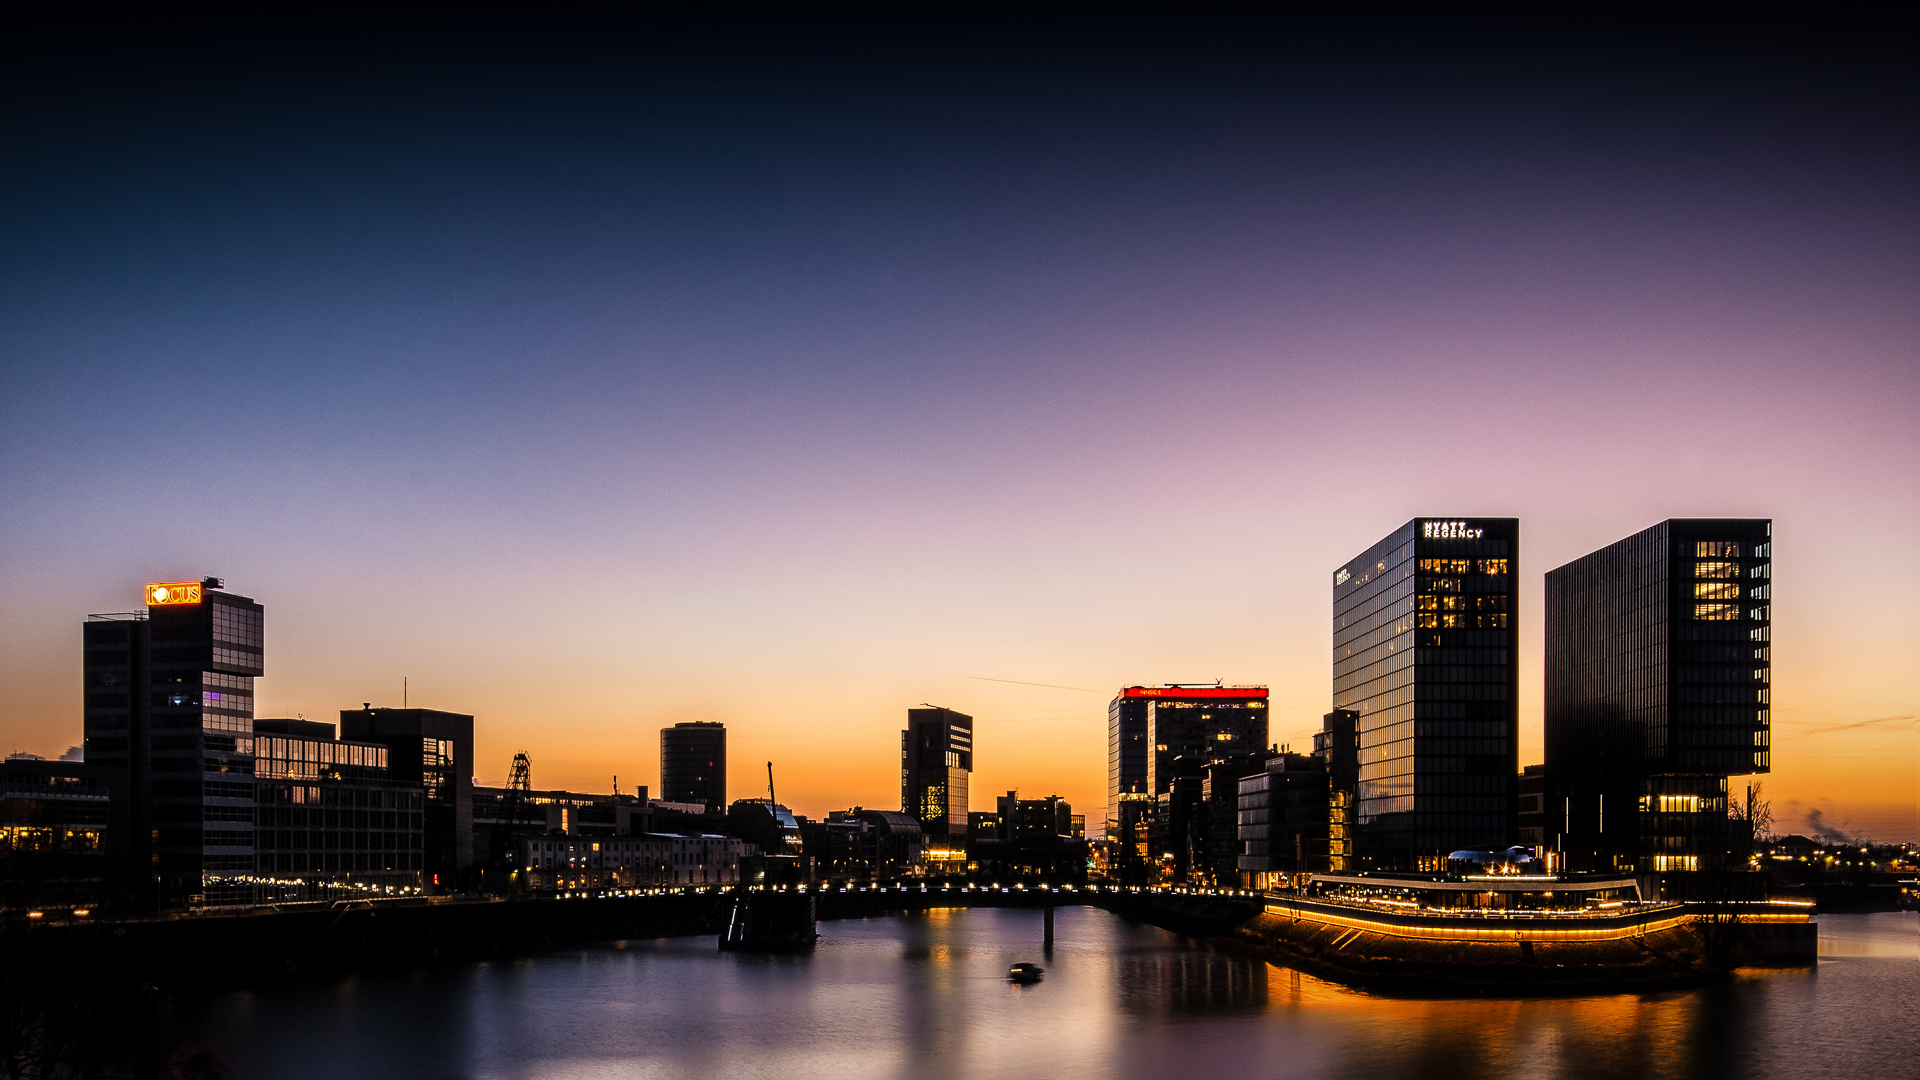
x=1148, y=728
x=435, y=750
x=1283, y=821
x=169, y=721
x=53, y=834
x=1659, y=663
x=693, y=764
x=330, y=821
x=1424, y=629
x=1337, y=747
x=936, y=757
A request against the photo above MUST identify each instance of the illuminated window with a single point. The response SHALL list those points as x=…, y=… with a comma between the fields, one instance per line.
x=1492, y=566
x=1716, y=590
x=1716, y=569
x=1717, y=549
x=1716, y=612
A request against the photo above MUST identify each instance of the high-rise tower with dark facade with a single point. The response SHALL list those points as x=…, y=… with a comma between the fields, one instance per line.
x=169, y=718
x=1149, y=728
x=1425, y=625
x=693, y=764
x=1659, y=664
x=936, y=757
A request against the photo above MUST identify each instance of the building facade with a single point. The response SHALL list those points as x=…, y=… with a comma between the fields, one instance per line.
x=1284, y=821
x=53, y=834
x=1424, y=629
x=936, y=759
x=1148, y=729
x=435, y=750
x=1658, y=673
x=693, y=764
x=169, y=720
x=329, y=819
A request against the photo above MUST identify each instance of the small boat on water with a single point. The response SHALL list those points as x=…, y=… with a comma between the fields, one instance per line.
x=1024, y=972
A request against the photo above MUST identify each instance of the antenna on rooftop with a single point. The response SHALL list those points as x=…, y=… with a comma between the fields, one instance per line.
x=770, y=798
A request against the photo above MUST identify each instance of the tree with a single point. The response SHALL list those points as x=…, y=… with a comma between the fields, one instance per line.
x=1750, y=821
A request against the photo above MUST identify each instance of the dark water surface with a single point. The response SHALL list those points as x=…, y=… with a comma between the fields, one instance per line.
x=927, y=996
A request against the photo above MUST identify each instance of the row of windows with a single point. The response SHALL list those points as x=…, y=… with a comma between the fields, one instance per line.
x=338, y=862
x=1429, y=621
x=335, y=795
x=1722, y=674
x=1719, y=695
x=1490, y=602
x=1463, y=566
x=236, y=658
x=336, y=840
x=1726, y=613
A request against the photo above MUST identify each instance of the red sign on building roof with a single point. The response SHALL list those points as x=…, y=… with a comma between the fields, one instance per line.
x=1194, y=691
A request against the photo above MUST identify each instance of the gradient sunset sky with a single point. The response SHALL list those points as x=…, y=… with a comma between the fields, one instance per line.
x=790, y=372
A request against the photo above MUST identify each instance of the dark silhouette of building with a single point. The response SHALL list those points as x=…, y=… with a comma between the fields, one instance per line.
x=435, y=750
x=1149, y=728
x=1425, y=623
x=1659, y=659
x=169, y=721
x=767, y=825
x=1284, y=817
x=864, y=845
x=1531, y=814
x=329, y=819
x=1033, y=839
x=693, y=764
x=936, y=758
x=1337, y=746
x=53, y=834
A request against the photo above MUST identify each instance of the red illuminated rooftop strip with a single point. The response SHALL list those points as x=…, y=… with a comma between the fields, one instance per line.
x=1194, y=691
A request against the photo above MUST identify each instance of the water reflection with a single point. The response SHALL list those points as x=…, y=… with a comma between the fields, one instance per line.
x=927, y=996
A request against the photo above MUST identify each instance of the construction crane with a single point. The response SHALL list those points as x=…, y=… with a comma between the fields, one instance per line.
x=519, y=794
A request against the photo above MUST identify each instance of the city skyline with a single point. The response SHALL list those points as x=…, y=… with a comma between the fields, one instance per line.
x=734, y=395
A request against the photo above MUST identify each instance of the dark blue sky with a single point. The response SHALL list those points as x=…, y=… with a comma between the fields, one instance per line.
x=859, y=353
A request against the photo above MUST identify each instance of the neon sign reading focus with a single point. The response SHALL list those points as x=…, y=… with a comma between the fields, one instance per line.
x=173, y=592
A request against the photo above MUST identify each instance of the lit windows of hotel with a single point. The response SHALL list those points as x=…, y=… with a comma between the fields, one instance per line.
x=1148, y=727
x=1658, y=671
x=169, y=718
x=936, y=758
x=1424, y=626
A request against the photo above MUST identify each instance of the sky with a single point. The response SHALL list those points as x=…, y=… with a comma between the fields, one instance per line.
x=791, y=371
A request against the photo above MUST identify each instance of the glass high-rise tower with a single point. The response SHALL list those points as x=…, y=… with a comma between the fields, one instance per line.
x=169, y=715
x=1148, y=727
x=936, y=758
x=1658, y=688
x=1425, y=624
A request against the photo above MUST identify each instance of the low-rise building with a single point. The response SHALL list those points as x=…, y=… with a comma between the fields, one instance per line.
x=53, y=834
x=559, y=863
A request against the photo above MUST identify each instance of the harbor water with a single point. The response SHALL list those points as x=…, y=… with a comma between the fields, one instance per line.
x=927, y=996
